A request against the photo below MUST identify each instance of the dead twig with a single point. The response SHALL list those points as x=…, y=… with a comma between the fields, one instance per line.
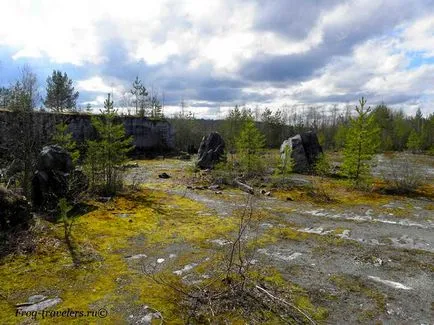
x=285, y=303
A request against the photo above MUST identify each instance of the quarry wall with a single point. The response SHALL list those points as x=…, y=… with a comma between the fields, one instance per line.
x=148, y=135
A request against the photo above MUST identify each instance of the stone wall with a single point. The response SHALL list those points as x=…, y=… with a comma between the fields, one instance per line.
x=148, y=135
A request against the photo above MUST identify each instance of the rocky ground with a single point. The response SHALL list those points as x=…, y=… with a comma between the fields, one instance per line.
x=365, y=258
x=360, y=257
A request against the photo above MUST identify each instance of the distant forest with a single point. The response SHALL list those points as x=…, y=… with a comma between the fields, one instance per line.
x=396, y=130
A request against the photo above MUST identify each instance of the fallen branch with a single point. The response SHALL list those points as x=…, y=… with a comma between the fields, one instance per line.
x=285, y=303
x=243, y=187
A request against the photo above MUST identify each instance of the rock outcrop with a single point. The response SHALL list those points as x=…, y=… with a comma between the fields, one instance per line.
x=14, y=210
x=305, y=151
x=211, y=150
x=55, y=177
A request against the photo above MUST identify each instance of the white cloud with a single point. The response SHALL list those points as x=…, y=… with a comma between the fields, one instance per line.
x=94, y=84
x=221, y=35
x=419, y=36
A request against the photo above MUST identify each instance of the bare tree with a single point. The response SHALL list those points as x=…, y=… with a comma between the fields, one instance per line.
x=24, y=138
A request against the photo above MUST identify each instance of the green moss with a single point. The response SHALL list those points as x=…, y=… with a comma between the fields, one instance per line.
x=162, y=219
x=355, y=285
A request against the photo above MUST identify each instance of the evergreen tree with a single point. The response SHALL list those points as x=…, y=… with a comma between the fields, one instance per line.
x=384, y=120
x=232, y=126
x=5, y=97
x=340, y=136
x=249, y=145
x=401, y=131
x=185, y=125
x=156, y=108
x=60, y=92
x=140, y=93
x=64, y=139
x=272, y=127
x=361, y=143
x=106, y=154
x=414, y=142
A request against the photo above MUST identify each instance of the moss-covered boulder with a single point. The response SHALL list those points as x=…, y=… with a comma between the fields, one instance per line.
x=14, y=210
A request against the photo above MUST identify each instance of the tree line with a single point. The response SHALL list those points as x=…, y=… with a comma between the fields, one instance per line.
x=396, y=130
x=61, y=95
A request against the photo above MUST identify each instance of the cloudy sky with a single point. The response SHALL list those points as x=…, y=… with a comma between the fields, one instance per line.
x=218, y=53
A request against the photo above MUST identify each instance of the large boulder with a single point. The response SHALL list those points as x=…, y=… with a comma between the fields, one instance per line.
x=305, y=151
x=211, y=150
x=56, y=158
x=55, y=177
x=14, y=210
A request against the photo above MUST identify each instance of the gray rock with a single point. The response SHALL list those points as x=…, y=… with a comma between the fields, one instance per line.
x=305, y=151
x=211, y=151
x=41, y=305
x=36, y=298
x=14, y=209
x=164, y=175
x=52, y=178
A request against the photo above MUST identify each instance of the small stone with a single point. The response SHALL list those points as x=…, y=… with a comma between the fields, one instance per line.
x=268, y=194
x=378, y=261
x=136, y=257
x=218, y=192
x=160, y=260
x=164, y=175
x=288, y=198
x=36, y=298
x=41, y=305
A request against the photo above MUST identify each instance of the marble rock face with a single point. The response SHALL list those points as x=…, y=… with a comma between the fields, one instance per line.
x=305, y=150
x=211, y=150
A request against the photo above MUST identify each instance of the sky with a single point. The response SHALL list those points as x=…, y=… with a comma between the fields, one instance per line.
x=215, y=54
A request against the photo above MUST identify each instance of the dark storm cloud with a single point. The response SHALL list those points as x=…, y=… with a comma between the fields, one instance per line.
x=172, y=77
x=338, y=39
x=290, y=19
x=280, y=68
x=293, y=19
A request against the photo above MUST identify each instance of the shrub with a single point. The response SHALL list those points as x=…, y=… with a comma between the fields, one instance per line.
x=401, y=176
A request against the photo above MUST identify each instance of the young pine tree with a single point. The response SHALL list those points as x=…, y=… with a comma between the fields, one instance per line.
x=108, y=152
x=414, y=142
x=64, y=139
x=361, y=143
x=60, y=92
x=249, y=145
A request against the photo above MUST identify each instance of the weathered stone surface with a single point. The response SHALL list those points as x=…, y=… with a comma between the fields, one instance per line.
x=211, y=150
x=55, y=177
x=54, y=157
x=14, y=210
x=148, y=135
x=305, y=150
x=164, y=175
x=41, y=305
